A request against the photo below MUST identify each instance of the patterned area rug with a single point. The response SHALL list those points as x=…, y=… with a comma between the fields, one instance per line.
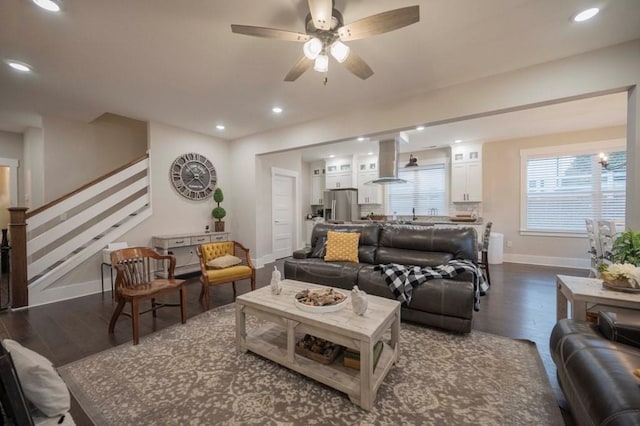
x=192, y=374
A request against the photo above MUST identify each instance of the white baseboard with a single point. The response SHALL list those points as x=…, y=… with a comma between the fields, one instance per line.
x=563, y=262
x=58, y=294
x=261, y=261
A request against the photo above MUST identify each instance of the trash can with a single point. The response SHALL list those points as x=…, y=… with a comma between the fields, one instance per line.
x=496, y=251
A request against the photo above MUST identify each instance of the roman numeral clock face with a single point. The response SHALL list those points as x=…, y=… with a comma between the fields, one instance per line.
x=193, y=176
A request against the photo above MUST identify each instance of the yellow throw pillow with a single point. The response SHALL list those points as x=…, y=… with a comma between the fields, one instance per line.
x=342, y=246
x=223, y=262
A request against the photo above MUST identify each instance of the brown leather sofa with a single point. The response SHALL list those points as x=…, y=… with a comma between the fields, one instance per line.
x=442, y=303
x=595, y=368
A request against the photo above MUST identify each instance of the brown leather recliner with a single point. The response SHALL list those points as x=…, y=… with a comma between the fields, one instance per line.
x=595, y=368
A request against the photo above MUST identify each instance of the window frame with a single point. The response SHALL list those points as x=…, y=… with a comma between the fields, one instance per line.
x=584, y=148
x=427, y=163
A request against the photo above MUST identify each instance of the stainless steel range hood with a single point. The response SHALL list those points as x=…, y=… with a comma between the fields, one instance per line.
x=388, y=152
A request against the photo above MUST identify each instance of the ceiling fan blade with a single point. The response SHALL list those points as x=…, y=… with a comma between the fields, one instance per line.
x=380, y=23
x=299, y=68
x=321, y=13
x=358, y=66
x=269, y=33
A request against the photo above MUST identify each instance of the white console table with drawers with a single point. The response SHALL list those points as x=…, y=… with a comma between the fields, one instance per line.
x=183, y=247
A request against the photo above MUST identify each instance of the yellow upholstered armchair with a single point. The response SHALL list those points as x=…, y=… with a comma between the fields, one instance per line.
x=227, y=268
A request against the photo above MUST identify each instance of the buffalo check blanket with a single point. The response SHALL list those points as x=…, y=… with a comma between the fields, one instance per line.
x=402, y=279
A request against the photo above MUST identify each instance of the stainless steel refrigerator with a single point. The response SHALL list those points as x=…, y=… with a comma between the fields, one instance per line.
x=341, y=204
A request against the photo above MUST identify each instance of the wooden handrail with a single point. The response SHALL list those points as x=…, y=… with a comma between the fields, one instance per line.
x=83, y=187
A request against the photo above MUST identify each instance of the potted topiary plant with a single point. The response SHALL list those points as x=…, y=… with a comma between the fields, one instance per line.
x=218, y=212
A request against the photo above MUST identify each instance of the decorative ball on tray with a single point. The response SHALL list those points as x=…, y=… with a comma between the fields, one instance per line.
x=320, y=300
x=621, y=277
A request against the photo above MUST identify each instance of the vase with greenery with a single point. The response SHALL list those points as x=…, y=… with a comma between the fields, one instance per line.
x=625, y=269
x=218, y=212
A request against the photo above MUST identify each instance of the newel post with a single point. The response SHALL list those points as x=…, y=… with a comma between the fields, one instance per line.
x=18, y=265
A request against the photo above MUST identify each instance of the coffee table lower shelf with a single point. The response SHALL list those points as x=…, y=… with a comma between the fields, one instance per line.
x=270, y=341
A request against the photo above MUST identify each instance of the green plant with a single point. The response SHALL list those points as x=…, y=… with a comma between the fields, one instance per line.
x=218, y=212
x=626, y=248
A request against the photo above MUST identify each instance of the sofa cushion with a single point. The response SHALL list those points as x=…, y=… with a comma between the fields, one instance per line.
x=411, y=257
x=441, y=296
x=223, y=262
x=320, y=249
x=317, y=271
x=342, y=246
x=460, y=243
x=41, y=383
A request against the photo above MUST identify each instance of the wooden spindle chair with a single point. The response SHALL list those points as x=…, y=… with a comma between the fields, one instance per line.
x=136, y=282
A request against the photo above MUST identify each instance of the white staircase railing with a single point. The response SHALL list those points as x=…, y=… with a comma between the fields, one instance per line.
x=67, y=232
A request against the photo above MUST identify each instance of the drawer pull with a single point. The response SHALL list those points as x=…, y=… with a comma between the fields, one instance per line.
x=180, y=242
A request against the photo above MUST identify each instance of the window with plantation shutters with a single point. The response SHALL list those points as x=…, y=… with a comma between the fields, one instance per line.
x=561, y=190
x=426, y=189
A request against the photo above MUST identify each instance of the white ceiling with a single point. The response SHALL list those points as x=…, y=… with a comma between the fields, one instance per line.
x=177, y=62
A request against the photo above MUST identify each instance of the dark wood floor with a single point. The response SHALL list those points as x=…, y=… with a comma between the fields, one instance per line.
x=521, y=304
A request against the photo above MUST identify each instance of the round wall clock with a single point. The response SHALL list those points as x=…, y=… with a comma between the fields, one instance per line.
x=193, y=176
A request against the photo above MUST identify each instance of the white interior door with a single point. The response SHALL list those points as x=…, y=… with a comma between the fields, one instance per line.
x=283, y=209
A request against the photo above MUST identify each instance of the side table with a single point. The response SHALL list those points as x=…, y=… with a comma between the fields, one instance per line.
x=580, y=290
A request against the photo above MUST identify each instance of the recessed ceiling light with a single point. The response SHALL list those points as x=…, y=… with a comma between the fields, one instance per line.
x=457, y=141
x=19, y=66
x=276, y=110
x=420, y=128
x=331, y=156
x=369, y=153
x=361, y=138
x=49, y=5
x=585, y=15
x=220, y=127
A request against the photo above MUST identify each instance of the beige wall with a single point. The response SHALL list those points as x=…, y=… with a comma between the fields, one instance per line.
x=86, y=151
x=172, y=213
x=33, y=170
x=11, y=148
x=597, y=72
x=501, y=195
x=285, y=160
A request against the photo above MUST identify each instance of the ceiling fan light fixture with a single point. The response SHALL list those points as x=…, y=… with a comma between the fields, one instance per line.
x=312, y=48
x=322, y=63
x=340, y=51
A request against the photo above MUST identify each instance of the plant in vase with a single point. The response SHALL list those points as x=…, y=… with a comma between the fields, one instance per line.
x=218, y=212
x=625, y=271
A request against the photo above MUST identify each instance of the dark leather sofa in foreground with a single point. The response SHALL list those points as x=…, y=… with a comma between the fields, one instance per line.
x=442, y=303
x=596, y=365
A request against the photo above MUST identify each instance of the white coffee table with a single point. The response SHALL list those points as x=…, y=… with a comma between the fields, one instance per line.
x=286, y=323
x=579, y=291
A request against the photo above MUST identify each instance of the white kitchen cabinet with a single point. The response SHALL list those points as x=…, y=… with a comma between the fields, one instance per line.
x=466, y=182
x=368, y=171
x=464, y=153
x=317, y=183
x=340, y=173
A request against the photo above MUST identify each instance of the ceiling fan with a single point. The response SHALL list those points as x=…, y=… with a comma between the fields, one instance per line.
x=325, y=33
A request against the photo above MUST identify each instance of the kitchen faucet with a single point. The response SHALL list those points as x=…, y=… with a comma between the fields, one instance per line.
x=414, y=213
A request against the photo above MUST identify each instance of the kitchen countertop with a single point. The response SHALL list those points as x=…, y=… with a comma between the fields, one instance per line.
x=425, y=221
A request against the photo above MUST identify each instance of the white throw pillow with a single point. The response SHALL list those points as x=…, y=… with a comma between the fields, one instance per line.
x=223, y=262
x=41, y=383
